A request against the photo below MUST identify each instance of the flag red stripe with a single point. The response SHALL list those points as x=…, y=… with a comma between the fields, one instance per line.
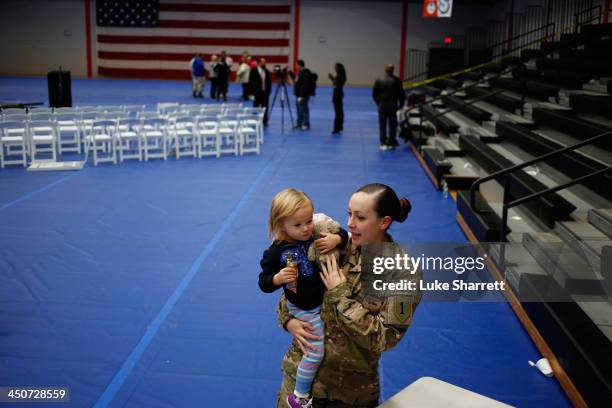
x=172, y=56
x=226, y=8
x=88, y=38
x=225, y=25
x=145, y=73
x=238, y=42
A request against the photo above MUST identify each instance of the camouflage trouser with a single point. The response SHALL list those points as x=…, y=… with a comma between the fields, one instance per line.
x=287, y=389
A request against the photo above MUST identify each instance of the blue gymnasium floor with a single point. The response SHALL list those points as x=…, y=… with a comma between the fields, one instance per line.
x=135, y=285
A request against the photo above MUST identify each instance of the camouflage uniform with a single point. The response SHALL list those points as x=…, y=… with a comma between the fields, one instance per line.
x=356, y=332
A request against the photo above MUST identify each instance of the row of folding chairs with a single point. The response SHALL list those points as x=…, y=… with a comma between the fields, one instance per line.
x=199, y=136
x=76, y=109
x=133, y=138
x=174, y=109
x=71, y=123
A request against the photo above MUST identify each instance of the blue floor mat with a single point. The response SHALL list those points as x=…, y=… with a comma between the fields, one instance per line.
x=89, y=260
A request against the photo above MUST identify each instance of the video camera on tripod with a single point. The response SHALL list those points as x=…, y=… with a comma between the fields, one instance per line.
x=281, y=73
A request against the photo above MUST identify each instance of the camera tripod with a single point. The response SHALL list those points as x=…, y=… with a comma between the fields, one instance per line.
x=284, y=95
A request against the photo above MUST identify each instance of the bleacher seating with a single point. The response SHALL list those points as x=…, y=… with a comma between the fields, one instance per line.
x=476, y=114
x=574, y=163
x=550, y=98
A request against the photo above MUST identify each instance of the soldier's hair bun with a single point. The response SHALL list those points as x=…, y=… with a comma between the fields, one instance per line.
x=386, y=201
x=404, y=210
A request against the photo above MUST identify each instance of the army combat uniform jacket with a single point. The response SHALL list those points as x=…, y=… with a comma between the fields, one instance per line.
x=357, y=331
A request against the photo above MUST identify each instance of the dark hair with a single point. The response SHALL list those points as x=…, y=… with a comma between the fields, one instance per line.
x=386, y=202
x=301, y=63
x=340, y=69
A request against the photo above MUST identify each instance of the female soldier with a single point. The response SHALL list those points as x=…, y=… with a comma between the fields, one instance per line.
x=358, y=328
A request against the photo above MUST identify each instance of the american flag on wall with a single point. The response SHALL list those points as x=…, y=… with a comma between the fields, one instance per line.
x=157, y=39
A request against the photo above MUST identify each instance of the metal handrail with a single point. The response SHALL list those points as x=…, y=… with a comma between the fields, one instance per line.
x=505, y=172
x=543, y=27
x=504, y=52
x=460, y=89
x=473, y=101
x=598, y=16
x=576, y=26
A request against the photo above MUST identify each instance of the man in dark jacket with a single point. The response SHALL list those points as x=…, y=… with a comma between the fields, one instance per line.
x=389, y=96
x=302, y=89
x=260, y=86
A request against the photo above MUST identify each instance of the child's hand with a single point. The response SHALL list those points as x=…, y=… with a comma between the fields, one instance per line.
x=284, y=276
x=327, y=242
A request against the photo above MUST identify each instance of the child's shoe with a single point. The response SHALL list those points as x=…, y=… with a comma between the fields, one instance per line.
x=295, y=402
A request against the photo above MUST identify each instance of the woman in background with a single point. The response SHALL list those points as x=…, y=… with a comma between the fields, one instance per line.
x=338, y=81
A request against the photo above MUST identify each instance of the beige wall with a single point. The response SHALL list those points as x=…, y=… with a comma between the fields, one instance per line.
x=38, y=36
x=364, y=36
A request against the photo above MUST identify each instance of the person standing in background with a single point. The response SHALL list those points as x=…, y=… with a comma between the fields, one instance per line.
x=302, y=91
x=252, y=62
x=228, y=60
x=260, y=86
x=338, y=81
x=389, y=96
x=213, y=76
x=230, y=63
x=242, y=77
x=223, y=73
x=196, y=65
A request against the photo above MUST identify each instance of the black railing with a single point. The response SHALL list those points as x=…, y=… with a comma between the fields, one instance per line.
x=460, y=89
x=471, y=102
x=504, y=52
x=579, y=22
x=595, y=14
x=506, y=172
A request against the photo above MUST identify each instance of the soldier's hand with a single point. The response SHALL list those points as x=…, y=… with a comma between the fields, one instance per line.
x=302, y=331
x=284, y=276
x=331, y=275
x=327, y=242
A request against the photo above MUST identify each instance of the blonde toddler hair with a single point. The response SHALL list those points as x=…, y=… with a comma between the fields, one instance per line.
x=284, y=204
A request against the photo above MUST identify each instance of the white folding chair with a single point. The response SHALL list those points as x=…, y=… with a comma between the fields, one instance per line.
x=248, y=135
x=38, y=116
x=16, y=117
x=154, y=138
x=185, y=136
x=43, y=139
x=227, y=107
x=212, y=109
x=234, y=110
x=228, y=134
x=172, y=111
x=100, y=140
x=13, y=134
x=128, y=139
x=207, y=127
x=68, y=132
x=40, y=109
x=113, y=110
x=162, y=107
x=132, y=110
x=13, y=111
x=256, y=119
x=65, y=109
x=113, y=115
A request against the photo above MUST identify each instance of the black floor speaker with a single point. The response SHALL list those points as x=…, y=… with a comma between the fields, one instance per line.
x=60, y=93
